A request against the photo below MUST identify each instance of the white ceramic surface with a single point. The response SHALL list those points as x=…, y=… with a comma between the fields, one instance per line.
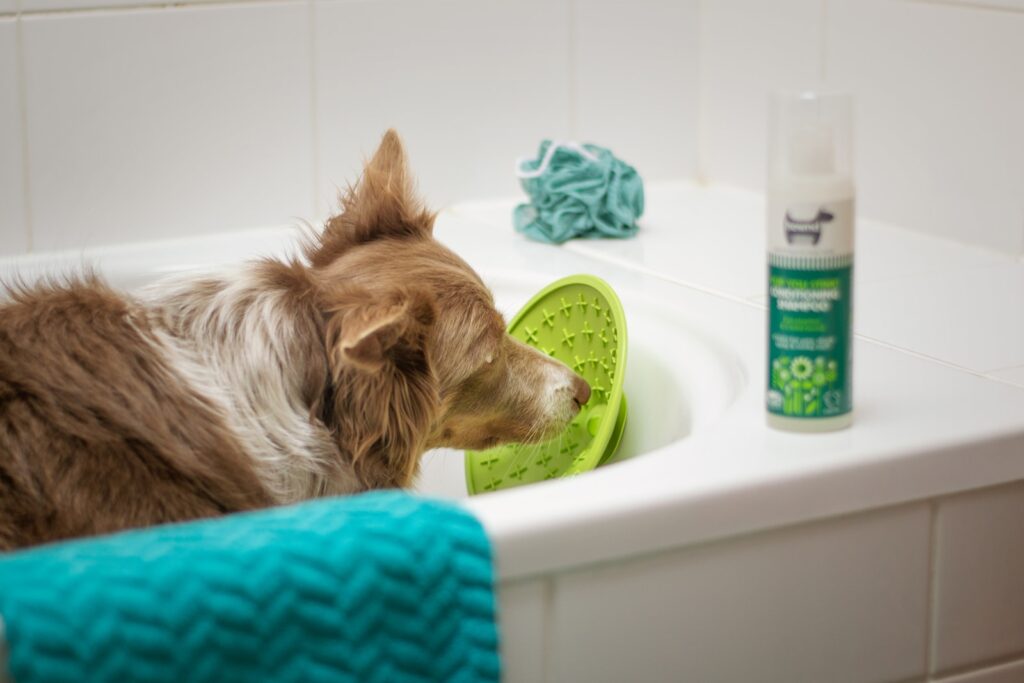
x=979, y=574
x=151, y=123
x=86, y=5
x=635, y=87
x=13, y=227
x=939, y=148
x=1010, y=375
x=1012, y=672
x=754, y=609
x=523, y=616
x=971, y=318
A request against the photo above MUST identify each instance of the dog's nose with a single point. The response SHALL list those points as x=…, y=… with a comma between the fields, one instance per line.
x=581, y=389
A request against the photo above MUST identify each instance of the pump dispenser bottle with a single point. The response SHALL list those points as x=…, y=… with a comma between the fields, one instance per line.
x=810, y=226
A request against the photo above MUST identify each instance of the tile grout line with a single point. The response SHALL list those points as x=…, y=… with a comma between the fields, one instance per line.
x=571, y=45
x=1007, y=368
x=984, y=666
x=313, y=114
x=981, y=6
x=145, y=6
x=823, y=45
x=1000, y=380
x=932, y=585
x=19, y=56
x=702, y=152
x=547, y=624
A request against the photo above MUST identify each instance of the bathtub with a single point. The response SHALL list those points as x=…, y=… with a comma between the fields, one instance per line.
x=710, y=548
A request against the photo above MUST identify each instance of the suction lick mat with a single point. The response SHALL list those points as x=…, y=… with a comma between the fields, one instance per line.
x=579, y=321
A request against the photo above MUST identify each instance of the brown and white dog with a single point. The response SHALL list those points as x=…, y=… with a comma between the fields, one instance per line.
x=268, y=384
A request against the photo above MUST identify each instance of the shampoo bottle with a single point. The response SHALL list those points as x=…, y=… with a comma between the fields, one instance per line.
x=810, y=221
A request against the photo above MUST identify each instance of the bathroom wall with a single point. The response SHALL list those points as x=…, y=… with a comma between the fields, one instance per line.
x=940, y=148
x=123, y=120
x=133, y=119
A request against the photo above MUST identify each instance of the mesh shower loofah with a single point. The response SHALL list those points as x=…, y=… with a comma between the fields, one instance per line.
x=577, y=191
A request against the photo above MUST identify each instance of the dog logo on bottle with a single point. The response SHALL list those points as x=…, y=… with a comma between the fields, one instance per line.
x=804, y=223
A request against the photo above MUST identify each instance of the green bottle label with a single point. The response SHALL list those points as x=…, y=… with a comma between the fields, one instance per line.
x=809, y=301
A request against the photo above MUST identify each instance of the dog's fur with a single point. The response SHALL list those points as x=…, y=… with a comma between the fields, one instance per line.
x=267, y=384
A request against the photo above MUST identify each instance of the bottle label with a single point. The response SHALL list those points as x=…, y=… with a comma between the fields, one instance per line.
x=809, y=302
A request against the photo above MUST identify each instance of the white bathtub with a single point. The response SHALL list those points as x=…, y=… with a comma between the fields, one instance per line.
x=651, y=567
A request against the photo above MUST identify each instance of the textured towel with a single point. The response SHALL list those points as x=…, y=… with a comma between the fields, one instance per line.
x=577, y=191
x=380, y=587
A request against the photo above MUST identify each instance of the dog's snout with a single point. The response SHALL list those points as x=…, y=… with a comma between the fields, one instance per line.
x=581, y=390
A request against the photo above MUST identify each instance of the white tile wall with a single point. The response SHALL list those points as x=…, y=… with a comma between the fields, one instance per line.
x=914, y=314
x=160, y=122
x=143, y=116
x=1004, y=673
x=71, y=5
x=521, y=616
x=979, y=564
x=748, y=49
x=1011, y=375
x=470, y=85
x=1017, y=5
x=838, y=601
x=636, y=82
x=940, y=100
x=13, y=228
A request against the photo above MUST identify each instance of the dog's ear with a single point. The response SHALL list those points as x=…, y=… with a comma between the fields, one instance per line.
x=382, y=204
x=385, y=395
x=366, y=331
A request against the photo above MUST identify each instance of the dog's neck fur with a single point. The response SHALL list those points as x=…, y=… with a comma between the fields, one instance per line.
x=246, y=340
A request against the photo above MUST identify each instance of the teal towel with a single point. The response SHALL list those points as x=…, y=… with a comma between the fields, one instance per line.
x=379, y=587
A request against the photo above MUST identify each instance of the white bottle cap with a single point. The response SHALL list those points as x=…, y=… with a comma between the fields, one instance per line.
x=810, y=134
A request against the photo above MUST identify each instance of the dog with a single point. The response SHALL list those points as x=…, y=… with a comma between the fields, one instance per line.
x=325, y=374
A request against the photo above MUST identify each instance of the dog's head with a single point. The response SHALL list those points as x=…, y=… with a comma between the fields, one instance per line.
x=418, y=355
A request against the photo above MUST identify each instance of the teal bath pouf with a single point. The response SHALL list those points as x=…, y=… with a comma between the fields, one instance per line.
x=577, y=191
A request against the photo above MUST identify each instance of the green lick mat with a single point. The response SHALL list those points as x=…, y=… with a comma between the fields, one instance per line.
x=579, y=321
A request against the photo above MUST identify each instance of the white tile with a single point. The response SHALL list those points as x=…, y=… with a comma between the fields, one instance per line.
x=8, y=6
x=885, y=252
x=839, y=601
x=749, y=48
x=71, y=5
x=13, y=230
x=471, y=86
x=1017, y=5
x=979, y=564
x=939, y=145
x=1004, y=673
x=158, y=123
x=1011, y=375
x=636, y=82
x=522, y=608
x=966, y=317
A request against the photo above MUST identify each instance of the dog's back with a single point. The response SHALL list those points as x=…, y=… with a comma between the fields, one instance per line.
x=96, y=431
x=329, y=373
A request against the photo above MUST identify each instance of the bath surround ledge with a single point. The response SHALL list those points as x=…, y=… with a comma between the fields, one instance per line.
x=935, y=323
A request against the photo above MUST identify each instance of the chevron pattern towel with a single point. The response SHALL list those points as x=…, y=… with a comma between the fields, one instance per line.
x=379, y=587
